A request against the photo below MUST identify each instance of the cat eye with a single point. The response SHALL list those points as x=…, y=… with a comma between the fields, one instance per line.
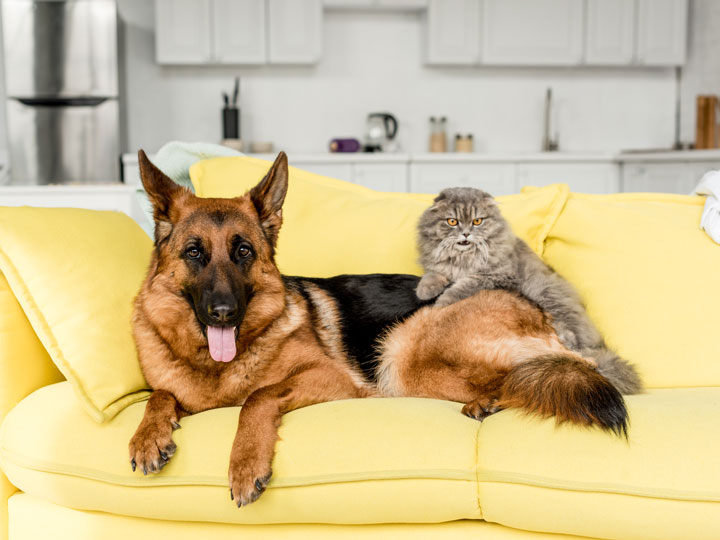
x=477, y=221
x=452, y=222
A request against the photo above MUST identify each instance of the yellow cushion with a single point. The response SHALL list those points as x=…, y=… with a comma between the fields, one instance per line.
x=356, y=461
x=649, y=276
x=33, y=518
x=390, y=461
x=75, y=273
x=24, y=367
x=333, y=227
x=663, y=483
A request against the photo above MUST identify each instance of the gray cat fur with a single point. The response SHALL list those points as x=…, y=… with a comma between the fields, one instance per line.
x=495, y=258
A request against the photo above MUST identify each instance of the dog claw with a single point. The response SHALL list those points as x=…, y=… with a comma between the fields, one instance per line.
x=232, y=497
x=164, y=456
x=176, y=425
x=133, y=464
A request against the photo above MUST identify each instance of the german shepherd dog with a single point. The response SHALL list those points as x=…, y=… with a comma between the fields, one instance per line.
x=217, y=325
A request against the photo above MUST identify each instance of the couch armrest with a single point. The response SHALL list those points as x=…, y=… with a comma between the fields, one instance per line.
x=25, y=366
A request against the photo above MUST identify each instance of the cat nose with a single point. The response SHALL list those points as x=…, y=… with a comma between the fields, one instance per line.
x=466, y=234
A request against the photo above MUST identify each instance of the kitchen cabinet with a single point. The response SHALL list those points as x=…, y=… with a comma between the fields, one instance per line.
x=663, y=177
x=294, y=31
x=580, y=177
x=382, y=176
x=453, y=32
x=532, y=32
x=495, y=178
x=609, y=32
x=182, y=31
x=662, y=32
x=239, y=31
x=339, y=170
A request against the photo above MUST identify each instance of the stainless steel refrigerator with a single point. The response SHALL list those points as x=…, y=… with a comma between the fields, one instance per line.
x=61, y=80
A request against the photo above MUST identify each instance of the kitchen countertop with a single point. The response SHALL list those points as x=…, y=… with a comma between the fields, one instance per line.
x=482, y=157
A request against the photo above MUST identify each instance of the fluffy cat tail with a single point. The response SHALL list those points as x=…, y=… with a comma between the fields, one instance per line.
x=568, y=389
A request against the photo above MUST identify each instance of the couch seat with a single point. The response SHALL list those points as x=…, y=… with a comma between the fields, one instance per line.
x=393, y=461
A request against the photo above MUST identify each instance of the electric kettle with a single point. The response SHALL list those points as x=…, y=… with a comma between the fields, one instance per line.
x=380, y=131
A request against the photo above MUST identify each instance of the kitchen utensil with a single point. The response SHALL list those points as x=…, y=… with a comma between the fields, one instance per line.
x=381, y=129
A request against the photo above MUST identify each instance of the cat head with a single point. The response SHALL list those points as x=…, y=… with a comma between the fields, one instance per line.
x=462, y=222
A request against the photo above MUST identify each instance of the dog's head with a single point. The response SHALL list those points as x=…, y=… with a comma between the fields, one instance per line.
x=216, y=256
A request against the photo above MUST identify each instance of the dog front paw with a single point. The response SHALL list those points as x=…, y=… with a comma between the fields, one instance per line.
x=249, y=476
x=152, y=446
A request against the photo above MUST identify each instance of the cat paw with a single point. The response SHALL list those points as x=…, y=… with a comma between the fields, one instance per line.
x=430, y=286
x=445, y=300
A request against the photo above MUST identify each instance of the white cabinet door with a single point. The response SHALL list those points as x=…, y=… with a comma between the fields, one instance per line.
x=239, y=31
x=609, y=32
x=182, y=31
x=453, y=32
x=495, y=178
x=662, y=32
x=664, y=177
x=294, y=31
x=532, y=32
x=382, y=176
x=580, y=177
x=341, y=171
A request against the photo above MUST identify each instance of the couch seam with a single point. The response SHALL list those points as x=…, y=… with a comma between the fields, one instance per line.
x=8, y=456
x=477, y=469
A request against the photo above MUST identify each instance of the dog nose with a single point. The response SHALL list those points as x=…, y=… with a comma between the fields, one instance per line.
x=222, y=312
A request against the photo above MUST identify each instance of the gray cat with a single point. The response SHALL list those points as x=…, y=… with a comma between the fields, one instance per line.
x=466, y=246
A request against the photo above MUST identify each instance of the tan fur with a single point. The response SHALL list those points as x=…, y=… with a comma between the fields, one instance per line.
x=468, y=352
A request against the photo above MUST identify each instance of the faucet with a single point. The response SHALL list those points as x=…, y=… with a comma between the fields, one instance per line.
x=548, y=144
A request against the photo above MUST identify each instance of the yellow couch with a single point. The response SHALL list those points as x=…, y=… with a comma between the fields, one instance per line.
x=392, y=468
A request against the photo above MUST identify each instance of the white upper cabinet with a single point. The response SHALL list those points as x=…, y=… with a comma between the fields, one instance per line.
x=532, y=32
x=294, y=31
x=239, y=31
x=182, y=31
x=662, y=32
x=453, y=32
x=609, y=32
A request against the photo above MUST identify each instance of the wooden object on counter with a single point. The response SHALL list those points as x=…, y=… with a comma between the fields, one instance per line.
x=464, y=143
x=706, y=122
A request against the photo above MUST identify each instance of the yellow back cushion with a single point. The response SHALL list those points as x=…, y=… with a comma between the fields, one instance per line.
x=75, y=274
x=332, y=227
x=649, y=276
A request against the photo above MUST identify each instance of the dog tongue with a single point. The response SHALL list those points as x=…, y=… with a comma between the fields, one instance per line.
x=221, y=341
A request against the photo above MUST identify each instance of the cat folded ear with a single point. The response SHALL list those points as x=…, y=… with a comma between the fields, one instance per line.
x=441, y=196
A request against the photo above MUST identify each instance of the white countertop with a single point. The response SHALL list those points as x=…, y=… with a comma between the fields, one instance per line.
x=481, y=157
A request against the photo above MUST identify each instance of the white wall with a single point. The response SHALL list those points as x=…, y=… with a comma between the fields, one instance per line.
x=701, y=73
x=373, y=62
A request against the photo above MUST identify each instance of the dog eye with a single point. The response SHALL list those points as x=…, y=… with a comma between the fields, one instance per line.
x=243, y=251
x=192, y=252
x=477, y=221
x=452, y=222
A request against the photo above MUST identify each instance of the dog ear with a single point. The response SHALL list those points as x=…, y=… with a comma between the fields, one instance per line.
x=161, y=191
x=268, y=197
